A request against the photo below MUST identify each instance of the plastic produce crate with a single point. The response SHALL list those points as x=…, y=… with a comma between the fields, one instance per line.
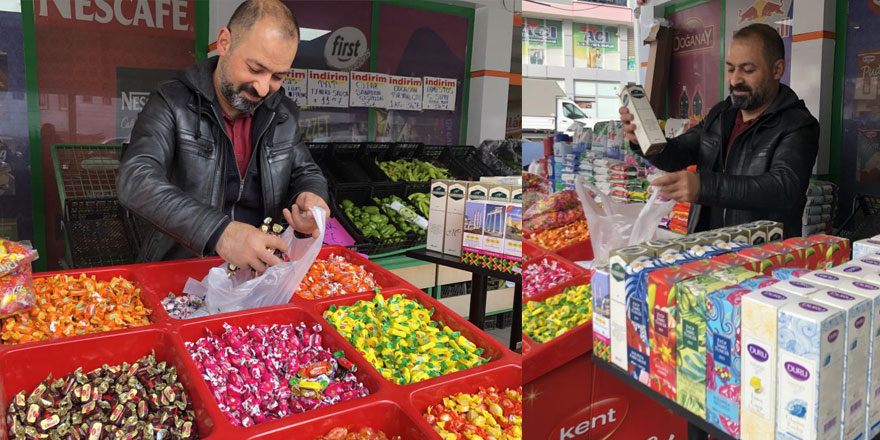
x=467, y=157
x=97, y=230
x=547, y=356
x=362, y=195
x=349, y=164
x=321, y=155
x=440, y=155
x=395, y=409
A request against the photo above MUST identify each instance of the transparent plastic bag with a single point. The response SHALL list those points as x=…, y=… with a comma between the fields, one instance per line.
x=274, y=287
x=615, y=225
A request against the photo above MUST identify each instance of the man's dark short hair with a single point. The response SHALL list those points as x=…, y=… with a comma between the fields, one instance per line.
x=774, y=49
x=251, y=11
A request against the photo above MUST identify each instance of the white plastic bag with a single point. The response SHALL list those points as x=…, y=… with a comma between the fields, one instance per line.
x=616, y=225
x=274, y=287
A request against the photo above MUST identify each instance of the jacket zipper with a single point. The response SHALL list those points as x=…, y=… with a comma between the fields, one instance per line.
x=253, y=154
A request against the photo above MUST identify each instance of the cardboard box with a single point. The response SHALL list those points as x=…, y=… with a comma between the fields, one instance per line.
x=857, y=338
x=736, y=234
x=663, y=308
x=757, y=233
x=712, y=238
x=864, y=268
x=494, y=225
x=499, y=193
x=516, y=194
x=865, y=248
x=822, y=278
x=810, y=371
x=472, y=238
x=788, y=273
x=691, y=341
x=813, y=252
x=760, y=313
x=872, y=292
x=648, y=132
x=797, y=287
x=601, y=289
x=734, y=275
x=513, y=236
x=732, y=259
x=723, y=359
x=621, y=262
x=774, y=230
x=837, y=250
x=454, y=224
x=790, y=255
x=437, y=215
x=659, y=59
x=660, y=247
x=759, y=282
x=769, y=258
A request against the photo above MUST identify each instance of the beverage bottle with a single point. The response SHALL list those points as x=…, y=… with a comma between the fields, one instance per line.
x=698, y=105
x=683, y=103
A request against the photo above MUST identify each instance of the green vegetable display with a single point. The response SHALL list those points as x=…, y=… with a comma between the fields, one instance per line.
x=412, y=170
x=422, y=202
x=380, y=221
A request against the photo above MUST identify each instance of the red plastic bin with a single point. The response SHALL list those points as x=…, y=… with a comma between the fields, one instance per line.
x=193, y=329
x=574, y=269
x=531, y=251
x=545, y=357
x=385, y=416
x=26, y=367
x=581, y=251
x=491, y=347
x=504, y=376
x=384, y=278
x=106, y=274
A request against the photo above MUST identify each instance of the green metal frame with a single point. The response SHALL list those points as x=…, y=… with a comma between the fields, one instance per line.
x=38, y=202
x=837, y=94
x=203, y=24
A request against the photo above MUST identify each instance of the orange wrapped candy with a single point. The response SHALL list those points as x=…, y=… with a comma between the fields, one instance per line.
x=364, y=434
x=335, y=276
x=553, y=239
x=70, y=306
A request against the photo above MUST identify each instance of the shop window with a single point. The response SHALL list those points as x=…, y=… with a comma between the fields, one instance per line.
x=595, y=46
x=542, y=42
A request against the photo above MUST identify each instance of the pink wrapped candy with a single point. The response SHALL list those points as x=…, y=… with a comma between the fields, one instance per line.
x=264, y=372
x=543, y=276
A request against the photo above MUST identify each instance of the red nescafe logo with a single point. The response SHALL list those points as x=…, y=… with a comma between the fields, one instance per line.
x=598, y=421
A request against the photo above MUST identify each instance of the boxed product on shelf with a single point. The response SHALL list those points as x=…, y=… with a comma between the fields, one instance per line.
x=787, y=273
x=760, y=313
x=865, y=268
x=660, y=247
x=474, y=215
x=723, y=358
x=437, y=215
x=770, y=257
x=857, y=344
x=620, y=261
x=691, y=341
x=759, y=282
x=757, y=233
x=663, y=315
x=810, y=370
x=513, y=237
x=453, y=224
x=600, y=284
x=734, y=275
x=822, y=278
x=638, y=315
x=797, y=287
x=872, y=292
x=866, y=247
x=735, y=234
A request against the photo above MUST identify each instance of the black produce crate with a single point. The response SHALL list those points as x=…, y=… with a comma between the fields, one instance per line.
x=467, y=155
x=362, y=195
x=418, y=187
x=440, y=155
x=349, y=164
x=321, y=155
x=377, y=150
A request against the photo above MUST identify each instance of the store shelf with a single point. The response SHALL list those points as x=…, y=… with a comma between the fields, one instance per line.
x=696, y=423
x=455, y=262
x=497, y=301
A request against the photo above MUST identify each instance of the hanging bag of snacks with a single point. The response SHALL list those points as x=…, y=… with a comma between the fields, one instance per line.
x=16, y=287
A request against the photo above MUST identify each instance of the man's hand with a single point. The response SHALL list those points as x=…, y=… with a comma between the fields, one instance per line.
x=681, y=186
x=629, y=129
x=300, y=217
x=245, y=246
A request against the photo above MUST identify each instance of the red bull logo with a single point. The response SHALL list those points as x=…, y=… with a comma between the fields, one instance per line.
x=760, y=11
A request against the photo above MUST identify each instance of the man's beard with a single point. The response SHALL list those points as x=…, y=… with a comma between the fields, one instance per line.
x=235, y=98
x=754, y=99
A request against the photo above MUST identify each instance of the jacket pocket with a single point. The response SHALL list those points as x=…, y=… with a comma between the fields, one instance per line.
x=280, y=152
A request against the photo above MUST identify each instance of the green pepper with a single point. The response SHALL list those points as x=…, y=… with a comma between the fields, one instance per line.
x=347, y=204
x=387, y=231
x=379, y=219
x=371, y=210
